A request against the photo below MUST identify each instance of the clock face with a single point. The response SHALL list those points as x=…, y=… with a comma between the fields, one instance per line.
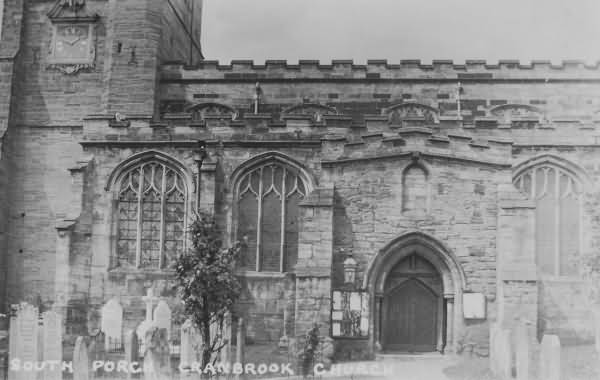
x=72, y=42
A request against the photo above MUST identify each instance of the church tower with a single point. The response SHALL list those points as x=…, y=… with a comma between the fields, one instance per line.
x=68, y=64
x=142, y=34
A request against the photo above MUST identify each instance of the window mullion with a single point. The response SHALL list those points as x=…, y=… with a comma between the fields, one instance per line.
x=533, y=184
x=283, y=198
x=162, y=218
x=557, y=222
x=259, y=221
x=138, y=245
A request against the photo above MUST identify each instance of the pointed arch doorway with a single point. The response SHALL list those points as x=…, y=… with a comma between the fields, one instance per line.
x=415, y=285
x=413, y=313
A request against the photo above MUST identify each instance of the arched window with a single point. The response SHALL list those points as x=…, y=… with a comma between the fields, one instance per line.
x=268, y=197
x=556, y=192
x=414, y=189
x=151, y=216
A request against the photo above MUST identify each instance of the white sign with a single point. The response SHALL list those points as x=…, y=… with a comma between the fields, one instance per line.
x=474, y=306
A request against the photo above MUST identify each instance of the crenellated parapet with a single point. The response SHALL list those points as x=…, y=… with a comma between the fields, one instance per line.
x=247, y=70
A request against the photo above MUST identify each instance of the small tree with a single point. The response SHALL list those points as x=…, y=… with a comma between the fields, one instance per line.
x=206, y=282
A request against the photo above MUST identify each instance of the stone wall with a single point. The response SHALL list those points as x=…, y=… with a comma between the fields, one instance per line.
x=40, y=193
x=354, y=149
x=9, y=46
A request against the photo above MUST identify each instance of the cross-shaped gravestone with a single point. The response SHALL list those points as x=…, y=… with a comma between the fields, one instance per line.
x=149, y=299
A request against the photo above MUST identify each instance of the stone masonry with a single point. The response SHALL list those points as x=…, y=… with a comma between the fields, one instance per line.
x=352, y=131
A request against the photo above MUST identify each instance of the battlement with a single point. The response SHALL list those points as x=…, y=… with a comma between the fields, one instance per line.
x=470, y=70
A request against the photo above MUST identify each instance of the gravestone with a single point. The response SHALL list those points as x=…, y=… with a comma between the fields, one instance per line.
x=240, y=345
x=13, y=339
x=550, y=368
x=97, y=351
x=131, y=349
x=162, y=317
x=81, y=360
x=112, y=324
x=27, y=345
x=52, y=344
x=522, y=351
x=190, y=344
x=157, y=365
x=143, y=327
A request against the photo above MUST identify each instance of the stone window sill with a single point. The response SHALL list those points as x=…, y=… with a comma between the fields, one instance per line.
x=139, y=272
x=350, y=337
x=254, y=274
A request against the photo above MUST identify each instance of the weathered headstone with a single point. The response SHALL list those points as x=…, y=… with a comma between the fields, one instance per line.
x=143, y=327
x=13, y=339
x=112, y=324
x=190, y=344
x=81, y=360
x=28, y=348
x=157, y=365
x=52, y=345
x=131, y=350
x=97, y=351
x=550, y=368
x=162, y=317
x=240, y=345
x=522, y=351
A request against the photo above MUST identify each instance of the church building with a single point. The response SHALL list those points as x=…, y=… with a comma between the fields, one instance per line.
x=401, y=206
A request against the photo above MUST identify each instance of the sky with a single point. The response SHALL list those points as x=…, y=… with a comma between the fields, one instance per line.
x=401, y=29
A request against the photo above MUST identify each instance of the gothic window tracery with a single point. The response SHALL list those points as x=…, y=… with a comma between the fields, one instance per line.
x=151, y=216
x=557, y=193
x=268, y=206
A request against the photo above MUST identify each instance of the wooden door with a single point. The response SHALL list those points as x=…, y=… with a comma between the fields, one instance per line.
x=411, y=309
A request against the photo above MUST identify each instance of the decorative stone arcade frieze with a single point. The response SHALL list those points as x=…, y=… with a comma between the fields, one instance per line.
x=315, y=257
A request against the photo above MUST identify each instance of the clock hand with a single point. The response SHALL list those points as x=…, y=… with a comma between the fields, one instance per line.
x=74, y=41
